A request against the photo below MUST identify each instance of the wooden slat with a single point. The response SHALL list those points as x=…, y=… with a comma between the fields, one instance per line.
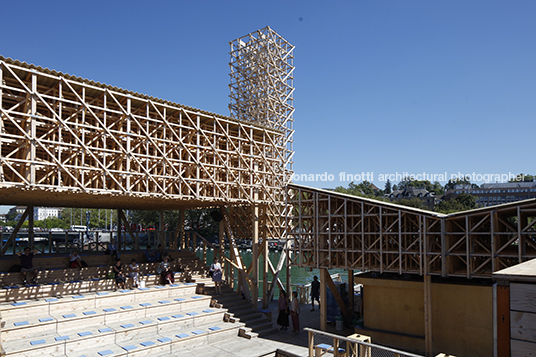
x=523, y=297
x=523, y=349
x=523, y=326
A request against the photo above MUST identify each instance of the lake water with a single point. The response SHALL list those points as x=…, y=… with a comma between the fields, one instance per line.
x=298, y=276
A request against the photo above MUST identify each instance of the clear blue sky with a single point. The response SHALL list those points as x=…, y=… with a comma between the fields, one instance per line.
x=381, y=86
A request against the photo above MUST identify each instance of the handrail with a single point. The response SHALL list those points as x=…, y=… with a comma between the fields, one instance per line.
x=351, y=340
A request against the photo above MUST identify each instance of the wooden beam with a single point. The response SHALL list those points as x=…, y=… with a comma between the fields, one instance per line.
x=324, y=276
x=13, y=235
x=128, y=229
x=340, y=302
x=428, y=333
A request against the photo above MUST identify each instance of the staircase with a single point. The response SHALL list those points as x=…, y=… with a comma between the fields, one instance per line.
x=256, y=323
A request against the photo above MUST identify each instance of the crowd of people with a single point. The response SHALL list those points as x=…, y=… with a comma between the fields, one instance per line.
x=119, y=272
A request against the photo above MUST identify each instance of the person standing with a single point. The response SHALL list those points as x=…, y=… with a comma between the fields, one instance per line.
x=315, y=292
x=295, y=312
x=26, y=262
x=282, y=305
x=215, y=268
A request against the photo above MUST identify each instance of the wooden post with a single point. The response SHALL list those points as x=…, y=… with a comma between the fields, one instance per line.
x=31, y=239
x=119, y=239
x=221, y=249
x=161, y=227
x=502, y=321
x=311, y=340
x=255, y=253
x=428, y=315
x=350, y=295
x=324, y=276
x=265, y=287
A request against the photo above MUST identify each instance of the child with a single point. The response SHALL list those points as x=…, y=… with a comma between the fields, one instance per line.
x=133, y=272
x=295, y=312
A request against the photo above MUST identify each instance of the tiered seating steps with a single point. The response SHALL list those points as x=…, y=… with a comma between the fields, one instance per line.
x=152, y=321
x=256, y=323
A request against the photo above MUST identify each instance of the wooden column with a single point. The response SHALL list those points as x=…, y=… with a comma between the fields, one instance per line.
x=428, y=316
x=265, y=288
x=502, y=321
x=182, y=238
x=221, y=249
x=350, y=295
x=119, y=239
x=255, y=253
x=161, y=228
x=324, y=276
x=31, y=239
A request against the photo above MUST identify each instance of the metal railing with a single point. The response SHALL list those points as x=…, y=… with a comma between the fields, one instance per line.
x=326, y=344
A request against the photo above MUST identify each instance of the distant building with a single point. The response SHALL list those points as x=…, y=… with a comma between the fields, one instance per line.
x=40, y=213
x=428, y=198
x=490, y=194
x=3, y=217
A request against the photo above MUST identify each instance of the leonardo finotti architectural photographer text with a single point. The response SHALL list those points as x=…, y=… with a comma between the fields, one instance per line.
x=400, y=176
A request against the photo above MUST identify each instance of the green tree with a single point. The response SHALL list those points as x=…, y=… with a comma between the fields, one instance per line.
x=363, y=189
x=462, y=202
x=412, y=202
x=453, y=182
x=523, y=178
x=198, y=220
x=388, y=188
x=99, y=218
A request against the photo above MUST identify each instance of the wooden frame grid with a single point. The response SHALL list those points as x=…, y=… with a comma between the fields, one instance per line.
x=331, y=230
x=262, y=85
x=101, y=146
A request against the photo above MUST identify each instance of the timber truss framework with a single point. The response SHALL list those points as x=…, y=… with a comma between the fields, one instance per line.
x=262, y=84
x=337, y=231
x=67, y=141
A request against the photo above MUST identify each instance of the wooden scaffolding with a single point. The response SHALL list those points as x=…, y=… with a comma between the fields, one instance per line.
x=337, y=231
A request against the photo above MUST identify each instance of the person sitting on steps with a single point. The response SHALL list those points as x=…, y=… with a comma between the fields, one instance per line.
x=75, y=260
x=165, y=272
x=119, y=276
x=26, y=262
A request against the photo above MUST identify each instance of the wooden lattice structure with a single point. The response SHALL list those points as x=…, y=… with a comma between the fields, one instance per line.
x=262, y=84
x=332, y=230
x=72, y=141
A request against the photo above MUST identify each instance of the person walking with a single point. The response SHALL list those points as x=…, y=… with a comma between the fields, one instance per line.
x=315, y=292
x=295, y=312
x=282, y=305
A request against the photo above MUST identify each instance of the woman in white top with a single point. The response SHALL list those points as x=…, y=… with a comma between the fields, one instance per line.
x=215, y=268
x=134, y=272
